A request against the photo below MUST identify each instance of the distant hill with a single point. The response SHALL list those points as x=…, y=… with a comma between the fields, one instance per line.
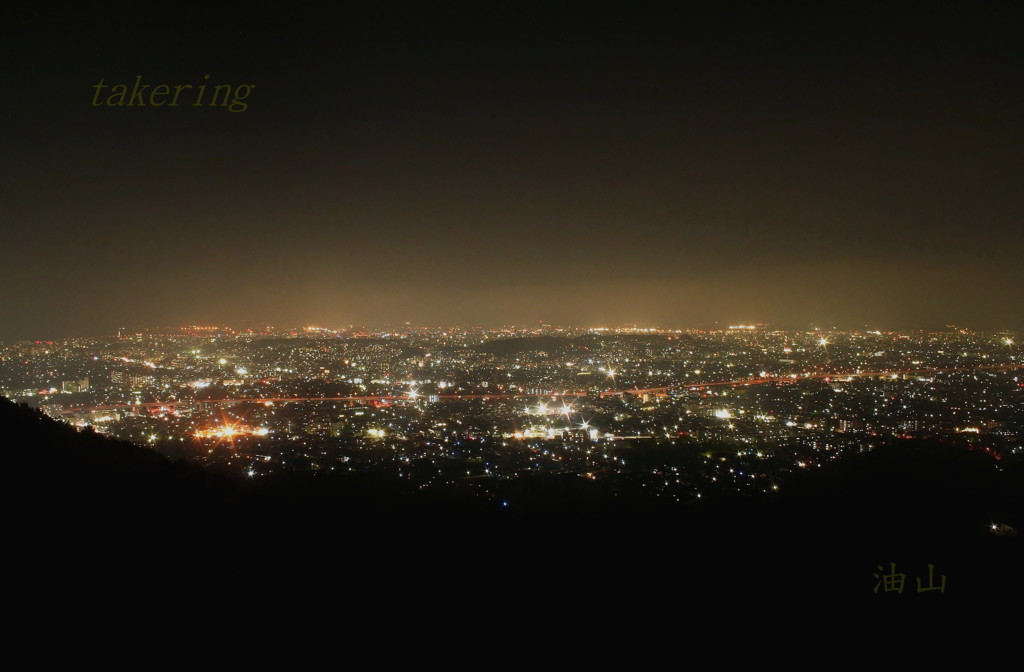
x=511, y=346
x=555, y=344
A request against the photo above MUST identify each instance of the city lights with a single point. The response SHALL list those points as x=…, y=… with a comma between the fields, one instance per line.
x=315, y=405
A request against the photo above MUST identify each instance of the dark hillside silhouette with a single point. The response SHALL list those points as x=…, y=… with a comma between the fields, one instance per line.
x=78, y=495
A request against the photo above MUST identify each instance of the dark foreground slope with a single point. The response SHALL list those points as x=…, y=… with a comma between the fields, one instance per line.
x=95, y=507
x=59, y=478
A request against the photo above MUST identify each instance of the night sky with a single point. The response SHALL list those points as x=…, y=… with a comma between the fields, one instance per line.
x=494, y=164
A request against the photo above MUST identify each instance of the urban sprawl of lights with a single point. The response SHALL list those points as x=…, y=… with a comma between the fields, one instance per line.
x=676, y=414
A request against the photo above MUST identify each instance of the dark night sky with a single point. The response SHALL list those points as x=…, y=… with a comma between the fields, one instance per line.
x=773, y=162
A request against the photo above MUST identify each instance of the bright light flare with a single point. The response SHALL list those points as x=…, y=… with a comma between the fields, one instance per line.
x=230, y=431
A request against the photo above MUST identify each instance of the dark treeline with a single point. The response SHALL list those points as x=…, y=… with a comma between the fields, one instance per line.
x=90, y=500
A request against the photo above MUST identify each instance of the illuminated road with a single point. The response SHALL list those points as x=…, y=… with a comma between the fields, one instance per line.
x=787, y=379
x=289, y=400
x=793, y=378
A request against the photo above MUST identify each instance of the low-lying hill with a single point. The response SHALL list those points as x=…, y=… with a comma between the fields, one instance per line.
x=77, y=494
